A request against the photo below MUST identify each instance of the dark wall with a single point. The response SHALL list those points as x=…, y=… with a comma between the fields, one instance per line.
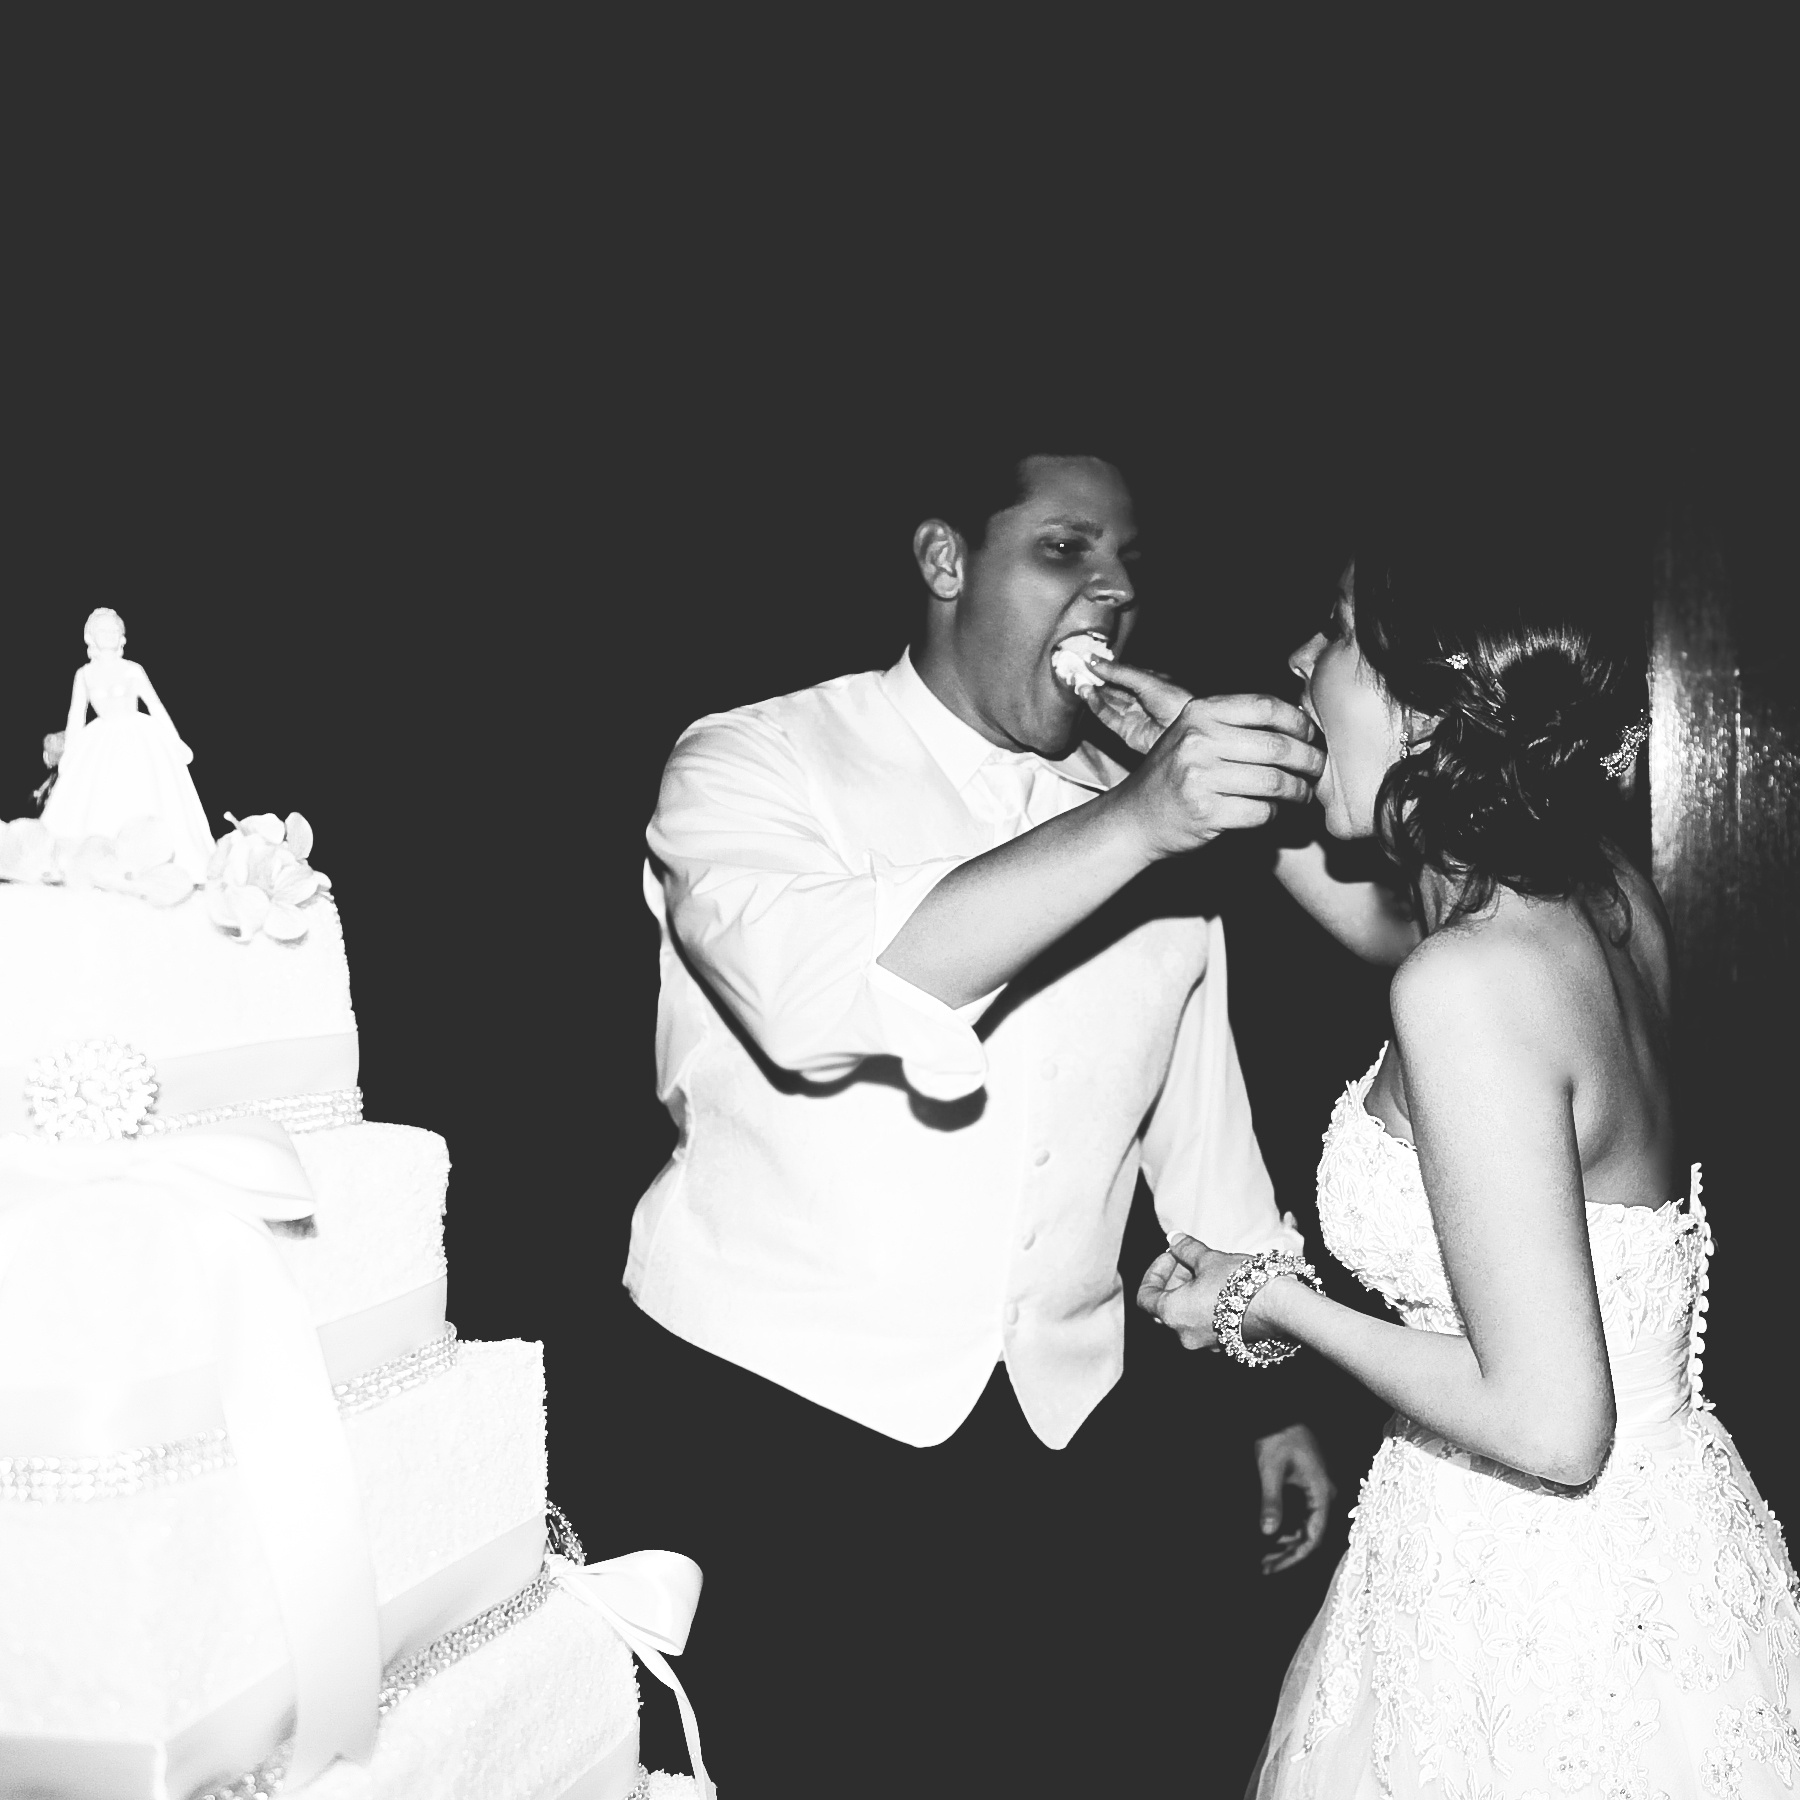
x=466, y=663
x=416, y=534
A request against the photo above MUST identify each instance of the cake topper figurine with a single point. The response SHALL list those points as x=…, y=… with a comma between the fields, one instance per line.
x=124, y=764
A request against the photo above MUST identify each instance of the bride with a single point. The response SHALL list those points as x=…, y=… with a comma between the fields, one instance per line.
x=1560, y=1578
x=126, y=764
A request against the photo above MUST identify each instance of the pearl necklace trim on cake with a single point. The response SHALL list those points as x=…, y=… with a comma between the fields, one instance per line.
x=100, y=1089
x=297, y=1112
x=563, y=1554
x=126, y=1472
x=409, y=1673
x=404, y=1677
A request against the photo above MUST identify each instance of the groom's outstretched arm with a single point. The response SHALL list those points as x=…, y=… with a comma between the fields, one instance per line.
x=1222, y=765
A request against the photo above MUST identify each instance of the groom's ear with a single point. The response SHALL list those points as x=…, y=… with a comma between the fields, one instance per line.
x=942, y=557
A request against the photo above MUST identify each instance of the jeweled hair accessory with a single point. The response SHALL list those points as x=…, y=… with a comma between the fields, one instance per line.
x=1618, y=763
x=1457, y=660
x=90, y=1091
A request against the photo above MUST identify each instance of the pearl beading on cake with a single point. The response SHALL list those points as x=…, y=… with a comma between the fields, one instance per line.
x=126, y=1472
x=412, y=1672
x=99, y=1089
x=114, y=1477
x=298, y=1112
x=387, y=1379
x=409, y=1673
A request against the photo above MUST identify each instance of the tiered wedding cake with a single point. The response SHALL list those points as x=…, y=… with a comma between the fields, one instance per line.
x=259, y=1508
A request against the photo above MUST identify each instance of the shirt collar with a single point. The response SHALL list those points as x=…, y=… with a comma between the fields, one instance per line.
x=959, y=749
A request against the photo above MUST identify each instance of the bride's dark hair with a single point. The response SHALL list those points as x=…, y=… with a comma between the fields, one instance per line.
x=1534, y=685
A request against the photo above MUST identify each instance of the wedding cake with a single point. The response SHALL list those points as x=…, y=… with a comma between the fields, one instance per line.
x=266, y=1524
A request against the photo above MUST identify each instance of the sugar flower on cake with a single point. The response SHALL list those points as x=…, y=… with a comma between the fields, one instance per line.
x=138, y=859
x=259, y=879
x=93, y=1090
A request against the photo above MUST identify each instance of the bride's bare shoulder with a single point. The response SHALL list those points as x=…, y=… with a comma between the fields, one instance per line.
x=1534, y=971
x=1504, y=971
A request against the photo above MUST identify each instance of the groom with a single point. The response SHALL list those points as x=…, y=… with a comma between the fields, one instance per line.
x=939, y=982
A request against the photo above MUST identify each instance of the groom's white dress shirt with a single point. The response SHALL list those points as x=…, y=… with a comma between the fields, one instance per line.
x=874, y=1197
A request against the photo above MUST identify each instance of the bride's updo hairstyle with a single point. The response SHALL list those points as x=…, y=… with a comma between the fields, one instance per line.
x=1533, y=686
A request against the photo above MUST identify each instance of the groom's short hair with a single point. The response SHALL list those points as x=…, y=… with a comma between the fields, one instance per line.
x=967, y=483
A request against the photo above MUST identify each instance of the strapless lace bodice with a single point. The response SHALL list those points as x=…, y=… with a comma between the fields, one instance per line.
x=1649, y=1262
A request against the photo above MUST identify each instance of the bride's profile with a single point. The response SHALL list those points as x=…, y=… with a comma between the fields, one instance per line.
x=123, y=764
x=1560, y=1577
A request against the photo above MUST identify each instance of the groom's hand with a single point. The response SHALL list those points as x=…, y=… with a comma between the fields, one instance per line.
x=1209, y=766
x=1293, y=1459
x=1136, y=706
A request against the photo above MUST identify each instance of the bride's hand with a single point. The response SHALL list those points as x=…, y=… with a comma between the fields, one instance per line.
x=1181, y=1288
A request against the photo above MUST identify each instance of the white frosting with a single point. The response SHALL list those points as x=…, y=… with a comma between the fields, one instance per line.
x=165, y=980
x=130, y=1619
x=524, y=1718
x=1071, y=662
x=131, y=1303
x=380, y=1216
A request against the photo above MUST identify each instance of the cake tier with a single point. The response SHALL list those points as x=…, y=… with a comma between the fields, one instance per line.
x=167, y=981
x=141, y=1632
x=546, y=1711
x=110, y=1344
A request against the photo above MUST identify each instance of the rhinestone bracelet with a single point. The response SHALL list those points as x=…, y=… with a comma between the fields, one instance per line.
x=1246, y=1282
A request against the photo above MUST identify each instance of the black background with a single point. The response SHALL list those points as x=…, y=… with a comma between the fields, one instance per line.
x=451, y=426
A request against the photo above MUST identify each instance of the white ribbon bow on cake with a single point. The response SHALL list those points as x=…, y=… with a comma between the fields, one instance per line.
x=648, y=1598
x=214, y=1187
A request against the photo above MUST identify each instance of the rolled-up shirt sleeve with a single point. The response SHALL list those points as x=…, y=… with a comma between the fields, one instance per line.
x=1201, y=1158
x=783, y=925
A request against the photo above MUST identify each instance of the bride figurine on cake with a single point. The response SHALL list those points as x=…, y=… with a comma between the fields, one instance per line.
x=124, y=764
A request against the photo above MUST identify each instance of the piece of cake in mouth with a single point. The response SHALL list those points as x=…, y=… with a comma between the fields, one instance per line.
x=238, y=1435
x=1072, y=661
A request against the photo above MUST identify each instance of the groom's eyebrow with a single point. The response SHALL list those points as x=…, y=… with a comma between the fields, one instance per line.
x=1065, y=523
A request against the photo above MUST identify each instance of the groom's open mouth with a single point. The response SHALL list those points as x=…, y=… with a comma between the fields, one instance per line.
x=1076, y=660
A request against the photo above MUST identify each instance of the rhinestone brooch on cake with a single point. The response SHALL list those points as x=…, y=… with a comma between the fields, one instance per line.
x=90, y=1091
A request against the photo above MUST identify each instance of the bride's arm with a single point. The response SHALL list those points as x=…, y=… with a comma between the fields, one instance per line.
x=1530, y=1385
x=1492, y=1117
x=1363, y=915
x=78, y=705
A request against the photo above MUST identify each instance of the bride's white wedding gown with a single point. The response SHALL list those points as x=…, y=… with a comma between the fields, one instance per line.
x=124, y=765
x=1488, y=1634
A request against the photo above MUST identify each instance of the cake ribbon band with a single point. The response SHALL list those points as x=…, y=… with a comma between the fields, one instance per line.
x=238, y=1075
x=648, y=1598
x=212, y=1189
